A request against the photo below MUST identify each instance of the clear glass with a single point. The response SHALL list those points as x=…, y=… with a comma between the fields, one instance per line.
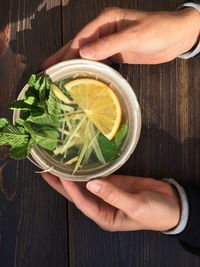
x=131, y=112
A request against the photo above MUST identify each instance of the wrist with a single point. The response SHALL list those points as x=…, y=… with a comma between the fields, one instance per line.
x=183, y=206
x=191, y=27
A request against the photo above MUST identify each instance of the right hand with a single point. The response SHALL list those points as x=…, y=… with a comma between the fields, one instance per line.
x=123, y=203
x=134, y=37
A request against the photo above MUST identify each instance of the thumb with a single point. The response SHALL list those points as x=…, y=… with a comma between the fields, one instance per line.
x=105, y=47
x=111, y=194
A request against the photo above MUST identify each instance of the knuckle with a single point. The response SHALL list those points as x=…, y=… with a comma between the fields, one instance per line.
x=137, y=207
x=110, y=196
x=111, y=10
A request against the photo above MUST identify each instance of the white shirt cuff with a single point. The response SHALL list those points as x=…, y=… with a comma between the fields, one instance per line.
x=196, y=50
x=184, y=208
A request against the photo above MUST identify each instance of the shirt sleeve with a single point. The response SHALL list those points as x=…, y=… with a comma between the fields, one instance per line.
x=190, y=237
x=188, y=229
x=195, y=52
x=184, y=208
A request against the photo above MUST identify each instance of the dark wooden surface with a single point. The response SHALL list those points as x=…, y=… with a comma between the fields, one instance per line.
x=37, y=226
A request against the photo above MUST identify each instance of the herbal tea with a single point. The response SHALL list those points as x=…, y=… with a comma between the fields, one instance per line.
x=78, y=120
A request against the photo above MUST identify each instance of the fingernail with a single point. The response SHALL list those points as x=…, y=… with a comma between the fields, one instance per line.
x=93, y=186
x=87, y=52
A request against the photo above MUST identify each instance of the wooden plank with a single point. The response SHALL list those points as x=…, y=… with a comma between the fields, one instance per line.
x=169, y=95
x=33, y=218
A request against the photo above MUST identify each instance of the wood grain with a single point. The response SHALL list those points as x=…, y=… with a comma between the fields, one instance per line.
x=33, y=217
x=36, y=226
x=169, y=95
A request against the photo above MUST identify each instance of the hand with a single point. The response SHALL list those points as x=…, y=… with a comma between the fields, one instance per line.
x=123, y=203
x=135, y=37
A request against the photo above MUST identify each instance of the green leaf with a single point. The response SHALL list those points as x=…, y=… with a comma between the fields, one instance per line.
x=14, y=136
x=3, y=122
x=42, y=88
x=30, y=100
x=40, y=84
x=37, y=112
x=44, y=136
x=31, y=91
x=27, y=127
x=38, y=122
x=120, y=135
x=44, y=119
x=108, y=148
x=18, y=152
x=30, y=145
x=61, y=85
x=52, y=105
x=32, y=80
x=24, y=114
x=20, y=122
x=21, y=105
x=47, y=139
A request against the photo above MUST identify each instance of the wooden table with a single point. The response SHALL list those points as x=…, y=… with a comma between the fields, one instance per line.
x=38, y=227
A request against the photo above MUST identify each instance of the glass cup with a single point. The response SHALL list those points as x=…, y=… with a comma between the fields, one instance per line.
x=131, y=114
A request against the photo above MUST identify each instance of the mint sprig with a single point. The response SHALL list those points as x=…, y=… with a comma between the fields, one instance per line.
x=39, y=120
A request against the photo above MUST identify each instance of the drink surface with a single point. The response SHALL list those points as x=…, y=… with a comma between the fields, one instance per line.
x=91, y=129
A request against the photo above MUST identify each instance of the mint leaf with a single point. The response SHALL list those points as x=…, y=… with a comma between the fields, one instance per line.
x=31, y=91
x=32, y=80
x=61, y=85
x=47, y=139
x=20, y=122
x=52, y=105
x=40, y=85
x=14, y=136
x=38, y=122
x=108, y=148
x=44, y=119
x=43, y=136
x=22, y=105
x=3, y=122
x=18, y=152
x=120, y=135
x=30, y=145
x=30, y=100
x=42, y=88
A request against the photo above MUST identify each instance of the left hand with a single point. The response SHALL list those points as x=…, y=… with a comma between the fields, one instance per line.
x=132, y=36
x=123, y=203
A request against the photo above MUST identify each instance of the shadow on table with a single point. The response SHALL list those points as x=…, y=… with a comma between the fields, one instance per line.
x=160, y=155
x=39, y=41
x=19, y=10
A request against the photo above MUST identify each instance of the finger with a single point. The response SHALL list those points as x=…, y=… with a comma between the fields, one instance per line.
x=80, y=196
x=56, y=184
x=88, y=34
x=106, y=47
x=90, y=205
x=103, y=24
x=56, y=57
x=111, y=194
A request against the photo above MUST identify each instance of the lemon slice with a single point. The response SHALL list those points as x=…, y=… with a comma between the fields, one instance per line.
x=99, y=102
